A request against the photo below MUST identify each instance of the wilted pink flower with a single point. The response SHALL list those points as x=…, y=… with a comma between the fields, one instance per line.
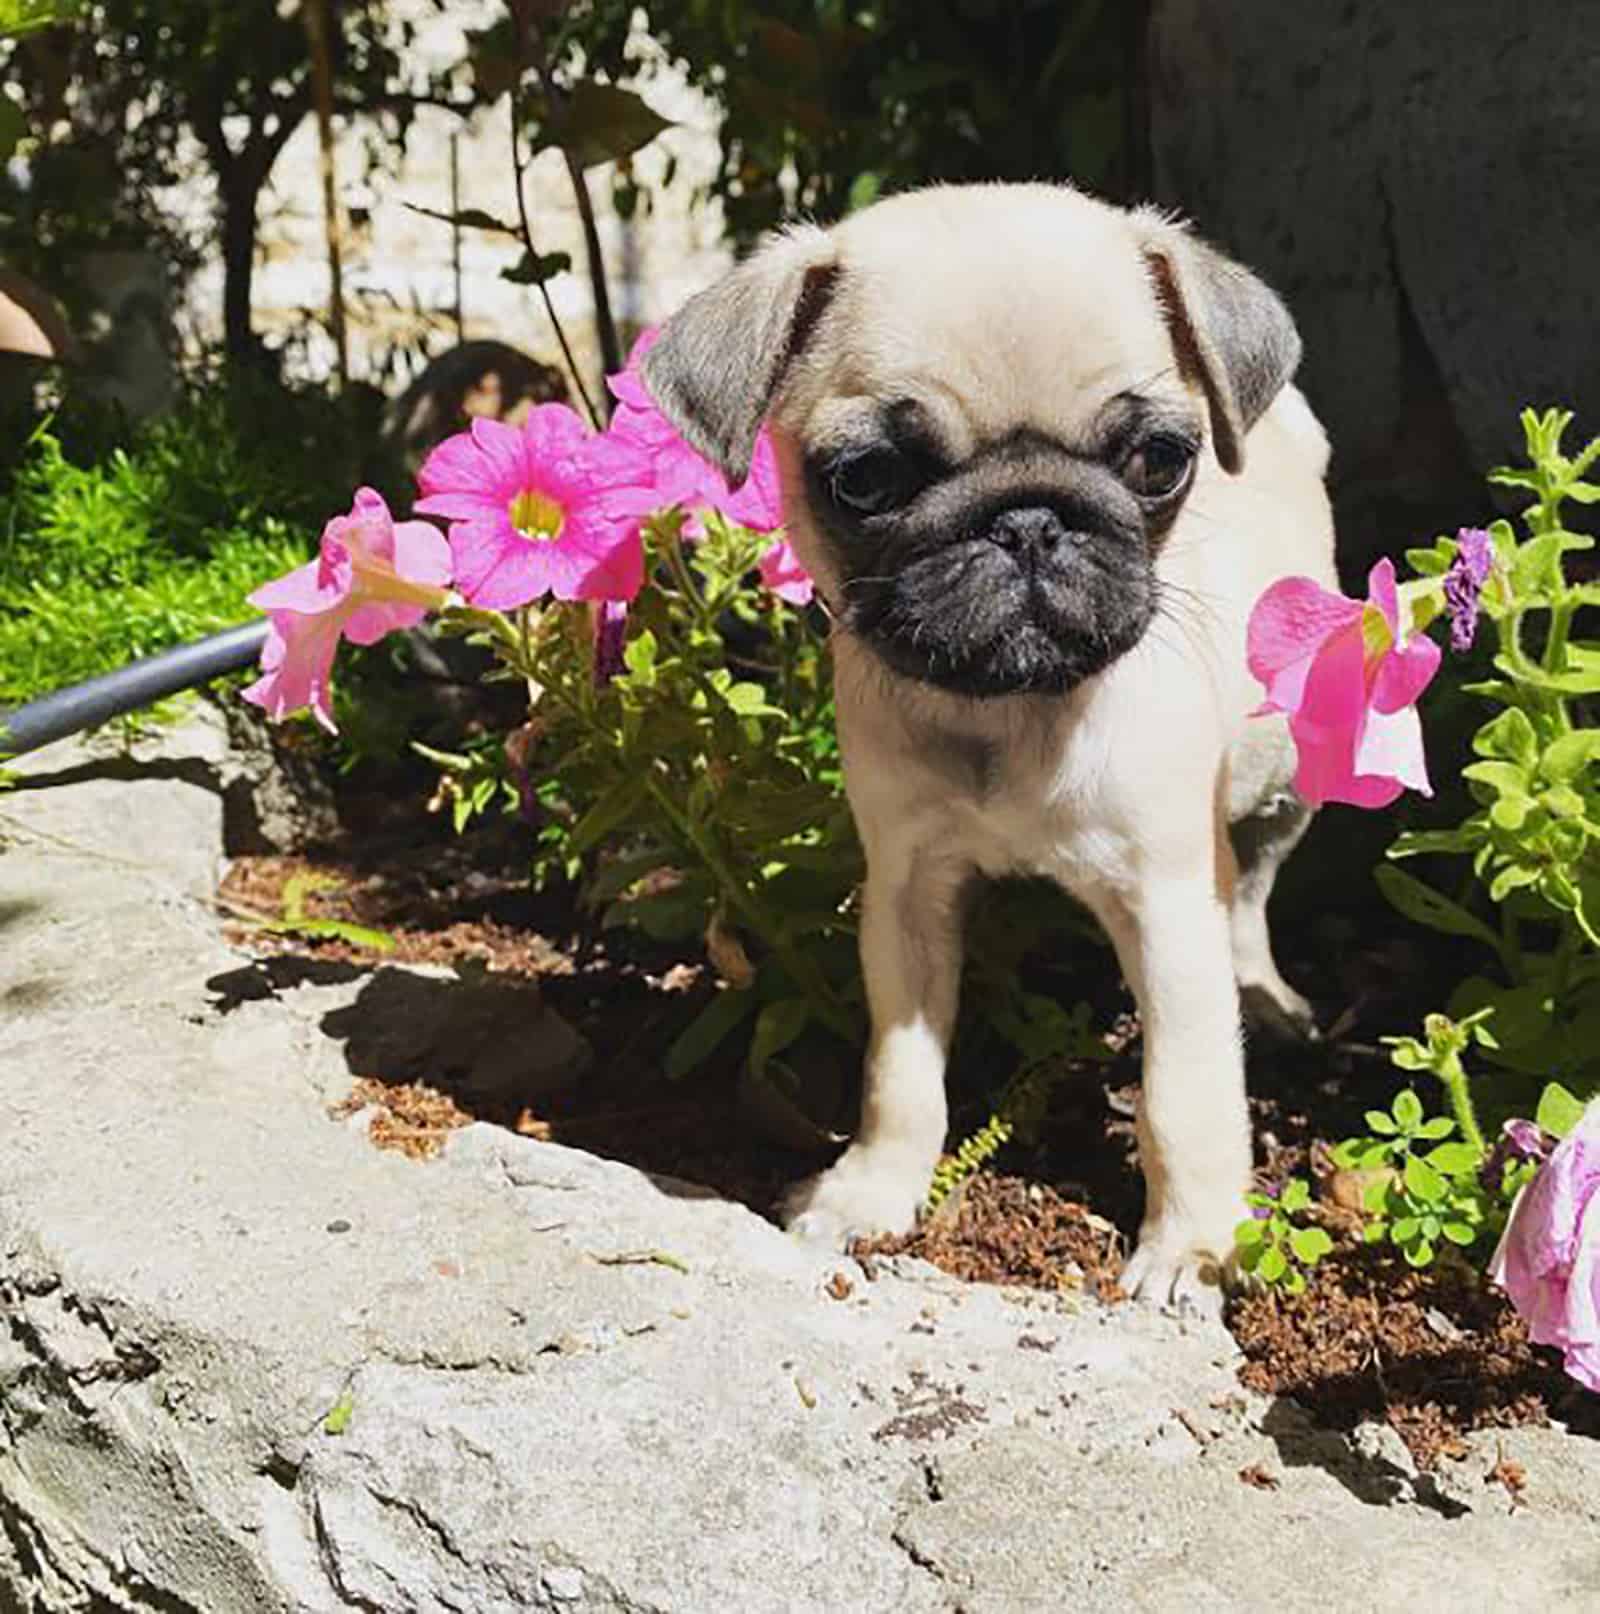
x=782, y=572
x=550, y=508
x=1549, y=1256
x=1463, y=584
x=371, y=577
x=1348, y=679
x=610, y=634
x=1518, y=1140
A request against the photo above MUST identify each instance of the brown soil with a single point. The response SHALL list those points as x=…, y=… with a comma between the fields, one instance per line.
x=1434, y=1353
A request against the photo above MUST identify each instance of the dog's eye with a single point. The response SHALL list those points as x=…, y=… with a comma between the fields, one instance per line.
x=1159, y=467
x=871, y=480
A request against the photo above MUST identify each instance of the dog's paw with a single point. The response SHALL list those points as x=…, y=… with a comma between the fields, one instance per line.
x=861, y=1195
x=1184, y=1267
x=1274, y=1009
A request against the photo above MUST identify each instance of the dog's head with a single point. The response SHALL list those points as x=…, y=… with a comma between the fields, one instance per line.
x=990, y=404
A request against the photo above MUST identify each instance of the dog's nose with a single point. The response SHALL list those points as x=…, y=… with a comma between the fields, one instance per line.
x=1033, y=529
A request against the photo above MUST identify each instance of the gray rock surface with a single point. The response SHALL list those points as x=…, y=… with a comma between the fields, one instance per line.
x=248, y=1362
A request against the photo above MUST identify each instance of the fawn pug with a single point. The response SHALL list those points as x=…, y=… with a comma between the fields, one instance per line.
x=1040, y=455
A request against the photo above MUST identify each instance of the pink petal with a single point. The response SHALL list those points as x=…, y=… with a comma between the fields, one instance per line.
x=1287, y=628
x=505, y=454
x=1391, y=749
x=457, y=465
x=598, y=560
x=422, y=554
x=1405, y=672
x=1383, y=593
x=782, y=572
x=463, y=506
x=297, y=664
x=369, y=623
x=495, y=568
x=306, y=589
x=552, y=431
x=758, y=503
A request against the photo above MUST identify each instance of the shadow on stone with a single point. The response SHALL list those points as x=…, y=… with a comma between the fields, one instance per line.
x=126, y=769
x=488, y=1042
x=267, y=977
x=1370, y=1474
x=13, y=913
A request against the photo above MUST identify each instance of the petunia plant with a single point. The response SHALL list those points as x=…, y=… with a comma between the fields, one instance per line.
x=1347, y=674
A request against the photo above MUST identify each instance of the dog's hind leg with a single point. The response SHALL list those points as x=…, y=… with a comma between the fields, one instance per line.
x=1261, y=842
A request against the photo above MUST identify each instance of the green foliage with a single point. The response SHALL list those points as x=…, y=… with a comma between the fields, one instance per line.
x=973, y=1154
x=1425, y=1188
x=297, y=921
x=1279, y=1246
x=688, y=797
x=1532, y=894
x=156, y=540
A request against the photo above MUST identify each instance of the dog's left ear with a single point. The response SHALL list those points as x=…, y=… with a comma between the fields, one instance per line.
x=719, y=361
x=1230, y=329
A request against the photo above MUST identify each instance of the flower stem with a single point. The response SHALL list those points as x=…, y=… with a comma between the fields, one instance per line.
x=1454, y=1077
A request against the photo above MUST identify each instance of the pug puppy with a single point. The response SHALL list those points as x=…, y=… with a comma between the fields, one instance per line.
x=1041, y=456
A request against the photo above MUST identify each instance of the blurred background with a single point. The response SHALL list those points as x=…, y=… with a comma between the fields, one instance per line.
x=264, y=248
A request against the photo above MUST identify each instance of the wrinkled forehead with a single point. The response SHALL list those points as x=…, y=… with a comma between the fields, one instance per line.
x=990, y=318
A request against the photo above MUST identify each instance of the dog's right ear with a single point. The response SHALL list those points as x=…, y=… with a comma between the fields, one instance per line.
x=719, y=361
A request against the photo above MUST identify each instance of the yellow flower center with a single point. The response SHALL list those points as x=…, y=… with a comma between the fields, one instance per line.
x=536, y=517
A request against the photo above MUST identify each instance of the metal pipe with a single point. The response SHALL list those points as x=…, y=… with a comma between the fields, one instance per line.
x=66, y=711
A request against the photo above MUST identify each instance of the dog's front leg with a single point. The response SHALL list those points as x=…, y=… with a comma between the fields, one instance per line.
x=1172, y=937
x=911, y=958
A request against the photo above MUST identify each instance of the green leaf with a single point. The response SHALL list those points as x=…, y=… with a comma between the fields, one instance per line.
x=1249, y=1232
x=750, y=700
x=1294, y=1282
x=21, y=17
x=777, y=1026
x=1272, y=1265
x=1582, y=677
x=1407, y=1109
x=1309, y=1244
x=1419, y=1254
x=1419, y=842
x=1422, y=1181
x=1462, y=1233
x=1381, y=1123
x=1453, y=1159
x=1406, y=1229
x=1558, y=1111
x=1375, y=1232
x=533, y=269
x=1536, y=567
x=1566, y=757
x=469, y=218
x=701, y=1038
x=610, y=812
x=1373, y=1156
x=639, y=655
x=1440, y=1126
x=1296, y=1194
x=1509, y=737
x=601, y=123
x=338, y=1416
x=1428, y=907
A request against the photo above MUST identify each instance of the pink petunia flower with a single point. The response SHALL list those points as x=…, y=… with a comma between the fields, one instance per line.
x=1348, y=679
x=371, y=577
x=782, y=572
x=552, y=508
x=1549, y=1256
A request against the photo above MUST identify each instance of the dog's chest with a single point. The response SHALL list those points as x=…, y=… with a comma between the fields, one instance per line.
x=1046, y=798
